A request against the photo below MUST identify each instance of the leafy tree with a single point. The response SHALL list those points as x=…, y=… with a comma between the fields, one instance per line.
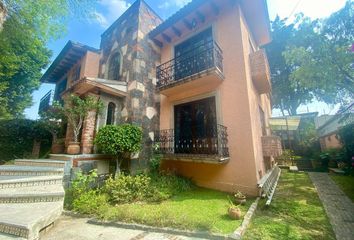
x=17, y=136
x=76, y=110
x=326, y=65
x=288, y=95
x=52, y=120
x=28, y=27
x=120, y=141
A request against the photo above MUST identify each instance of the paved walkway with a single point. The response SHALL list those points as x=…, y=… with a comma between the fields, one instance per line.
x=338, y=206
x=78, y=229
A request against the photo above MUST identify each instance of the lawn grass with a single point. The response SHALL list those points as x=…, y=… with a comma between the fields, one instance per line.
x=198, y=209
x=346, y=183
x=295, y=212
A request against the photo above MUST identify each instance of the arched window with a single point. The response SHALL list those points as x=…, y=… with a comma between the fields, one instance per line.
x=114, y=66
x=110, y=113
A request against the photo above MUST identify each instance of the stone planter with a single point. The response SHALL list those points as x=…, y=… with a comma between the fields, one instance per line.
x=73, y=148
x=234, y=213
x=57, y=147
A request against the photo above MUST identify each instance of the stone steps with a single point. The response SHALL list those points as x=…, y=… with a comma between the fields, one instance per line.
x=13, y=170
x=31, y=197
x=40, y=162
x=46, y=193
x=4, y=236
x=27, y=220
x=29, y=181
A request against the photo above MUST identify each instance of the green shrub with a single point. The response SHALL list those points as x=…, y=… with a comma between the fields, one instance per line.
x=155, y=163
x=331, y=157
x=84, y=182
x=346, y=136
x=144, y=188
x=169, y=184
x=126, y=188
x=89, y=202
x=119, y=140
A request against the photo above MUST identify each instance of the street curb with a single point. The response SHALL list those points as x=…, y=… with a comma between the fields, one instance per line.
x=246, y=221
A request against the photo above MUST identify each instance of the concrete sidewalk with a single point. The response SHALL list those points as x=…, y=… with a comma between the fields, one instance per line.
x=78, y=229
x=339, y=208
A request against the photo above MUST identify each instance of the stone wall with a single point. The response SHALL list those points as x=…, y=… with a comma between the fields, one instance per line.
x=102, y=117
x=139, y=58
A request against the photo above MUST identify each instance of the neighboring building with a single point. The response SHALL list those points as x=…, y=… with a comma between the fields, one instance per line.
x=198, y=84
x=328, y=125
x=289, y=128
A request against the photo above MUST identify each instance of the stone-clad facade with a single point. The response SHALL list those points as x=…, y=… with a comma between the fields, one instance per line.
x=131, y=92
x=139, y=58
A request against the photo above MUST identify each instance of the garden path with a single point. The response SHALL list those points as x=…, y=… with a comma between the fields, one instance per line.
x=338, y=206
x=79, y=229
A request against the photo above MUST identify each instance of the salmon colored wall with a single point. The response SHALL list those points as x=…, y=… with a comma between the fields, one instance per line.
x=90, y=65
x=237, y=106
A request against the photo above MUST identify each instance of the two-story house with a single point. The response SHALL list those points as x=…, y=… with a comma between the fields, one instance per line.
x=197, y=83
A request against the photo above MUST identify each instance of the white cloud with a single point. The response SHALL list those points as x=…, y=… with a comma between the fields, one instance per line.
x=173, y=3
x=110, y=10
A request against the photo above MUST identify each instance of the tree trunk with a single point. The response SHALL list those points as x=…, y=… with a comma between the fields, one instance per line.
x=117, y=173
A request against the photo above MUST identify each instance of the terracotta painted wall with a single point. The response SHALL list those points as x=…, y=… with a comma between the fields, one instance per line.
x=330, y=141
x=90, y=65
x=237, y=106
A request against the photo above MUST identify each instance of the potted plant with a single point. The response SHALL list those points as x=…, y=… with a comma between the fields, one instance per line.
x=240, y=198
x=52, y=120
x=119, y=140
x=234, y=211
x=76, y=110
x=58, y=146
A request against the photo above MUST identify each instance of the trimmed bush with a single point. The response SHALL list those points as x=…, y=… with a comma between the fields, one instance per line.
x=119, y=140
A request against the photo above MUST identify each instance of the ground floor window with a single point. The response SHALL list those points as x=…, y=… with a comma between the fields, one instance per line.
x=196, y=127
x=110, y=113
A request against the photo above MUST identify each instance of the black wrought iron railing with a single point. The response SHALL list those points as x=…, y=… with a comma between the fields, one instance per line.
x=45, y=102
x=204, y=57
x=214, y=141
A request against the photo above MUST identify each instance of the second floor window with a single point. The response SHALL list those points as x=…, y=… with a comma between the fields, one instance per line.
x=114, y=66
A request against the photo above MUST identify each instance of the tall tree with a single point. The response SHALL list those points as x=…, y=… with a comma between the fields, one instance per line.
x=28, y=27
x=327, y=65
x=288, y=95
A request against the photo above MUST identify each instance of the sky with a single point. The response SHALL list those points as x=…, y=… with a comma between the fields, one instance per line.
x=109, y=10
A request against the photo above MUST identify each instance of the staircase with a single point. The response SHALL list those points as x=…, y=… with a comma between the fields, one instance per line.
x=31, y=197
x=304, y=165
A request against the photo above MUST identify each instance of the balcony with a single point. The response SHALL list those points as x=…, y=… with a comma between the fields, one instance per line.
x=203, y=63
x=271, y=146
x=260, y=71
x=210, y=148
x=45, y=102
